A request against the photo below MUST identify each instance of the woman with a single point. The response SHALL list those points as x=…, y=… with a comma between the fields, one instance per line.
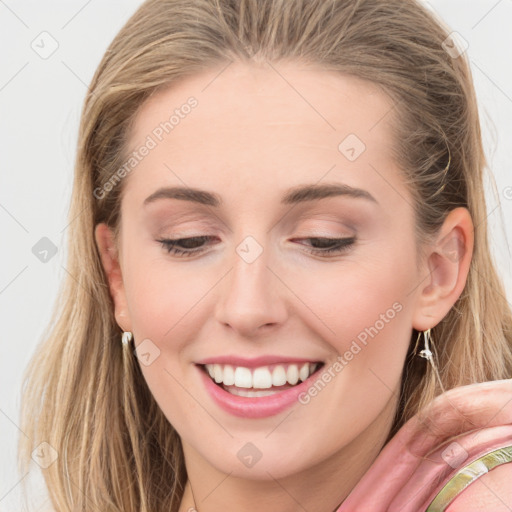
x=281, y=295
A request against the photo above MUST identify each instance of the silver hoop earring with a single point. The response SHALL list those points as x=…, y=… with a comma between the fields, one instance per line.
x=126, y=338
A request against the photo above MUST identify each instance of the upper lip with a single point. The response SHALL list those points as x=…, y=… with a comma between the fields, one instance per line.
x=255, y=362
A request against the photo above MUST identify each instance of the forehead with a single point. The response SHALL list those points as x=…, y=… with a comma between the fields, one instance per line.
x=288, y=94
x=283, y=124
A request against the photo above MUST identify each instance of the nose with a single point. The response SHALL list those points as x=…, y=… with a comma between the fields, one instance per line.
x=252, y=294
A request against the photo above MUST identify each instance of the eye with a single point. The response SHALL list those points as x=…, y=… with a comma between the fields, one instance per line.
x=183, y=247
x=323, y=246
x=190, y=245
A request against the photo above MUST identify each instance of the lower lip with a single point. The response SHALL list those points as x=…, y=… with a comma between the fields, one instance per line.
x=255, y=407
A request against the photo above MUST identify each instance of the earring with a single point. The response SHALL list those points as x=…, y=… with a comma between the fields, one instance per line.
x=426, y=353
x=126, y=338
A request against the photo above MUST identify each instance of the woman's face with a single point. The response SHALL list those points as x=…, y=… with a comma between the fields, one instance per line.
x=235, y=155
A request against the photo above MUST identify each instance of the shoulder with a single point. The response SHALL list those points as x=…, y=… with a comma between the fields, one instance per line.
x=492, y=491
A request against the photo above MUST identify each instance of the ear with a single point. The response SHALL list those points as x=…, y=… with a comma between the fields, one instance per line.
x=447, y=263
x=110, y=260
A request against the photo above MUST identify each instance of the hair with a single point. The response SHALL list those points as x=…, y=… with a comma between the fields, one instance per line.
x=86, y=396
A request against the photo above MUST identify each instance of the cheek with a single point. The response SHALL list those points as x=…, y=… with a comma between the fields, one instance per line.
x=163, y=296
x=361, y=300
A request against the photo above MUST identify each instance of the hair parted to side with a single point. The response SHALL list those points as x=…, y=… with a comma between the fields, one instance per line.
x=87, y=397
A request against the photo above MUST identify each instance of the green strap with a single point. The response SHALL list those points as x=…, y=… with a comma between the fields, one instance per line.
x=467, y=475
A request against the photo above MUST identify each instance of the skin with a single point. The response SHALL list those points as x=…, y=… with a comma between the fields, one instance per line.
x=252, y=136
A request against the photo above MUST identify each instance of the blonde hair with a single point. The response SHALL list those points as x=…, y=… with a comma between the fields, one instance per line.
x=87, y=397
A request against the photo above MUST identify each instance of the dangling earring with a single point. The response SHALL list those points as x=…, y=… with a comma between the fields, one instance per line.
x=126, y=338
x=427, y=354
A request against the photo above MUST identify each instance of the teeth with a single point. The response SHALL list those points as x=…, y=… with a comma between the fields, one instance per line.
x=292, y=374
x=228, y=375
x=217, y=373
x=304, y=372
x=279, y=376
x=243, y=377
x=262, y=377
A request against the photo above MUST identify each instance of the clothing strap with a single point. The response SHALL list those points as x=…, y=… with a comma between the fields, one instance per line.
x=467, y=475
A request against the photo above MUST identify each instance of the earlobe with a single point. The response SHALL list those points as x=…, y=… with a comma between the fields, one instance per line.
x=447, y=262
x=110, y=261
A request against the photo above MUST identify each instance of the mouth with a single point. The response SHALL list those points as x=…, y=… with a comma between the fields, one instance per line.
x=260, y=381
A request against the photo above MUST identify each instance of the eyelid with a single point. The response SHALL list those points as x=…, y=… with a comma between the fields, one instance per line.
x=323, y=234
x=316, y=232
x=316, y=223
x=212, y=232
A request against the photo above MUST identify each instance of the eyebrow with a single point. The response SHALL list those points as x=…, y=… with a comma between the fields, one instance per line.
x=295, y=195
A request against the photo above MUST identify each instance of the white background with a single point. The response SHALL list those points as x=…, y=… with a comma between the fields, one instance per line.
x=40, y=103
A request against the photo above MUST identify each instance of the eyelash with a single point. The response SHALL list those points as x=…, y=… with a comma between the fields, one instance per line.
x=341, y=245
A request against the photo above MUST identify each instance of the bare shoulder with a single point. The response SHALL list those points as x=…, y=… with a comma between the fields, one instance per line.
x=492, y=491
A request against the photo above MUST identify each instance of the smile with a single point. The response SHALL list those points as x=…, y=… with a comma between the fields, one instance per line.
x=258, y=391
